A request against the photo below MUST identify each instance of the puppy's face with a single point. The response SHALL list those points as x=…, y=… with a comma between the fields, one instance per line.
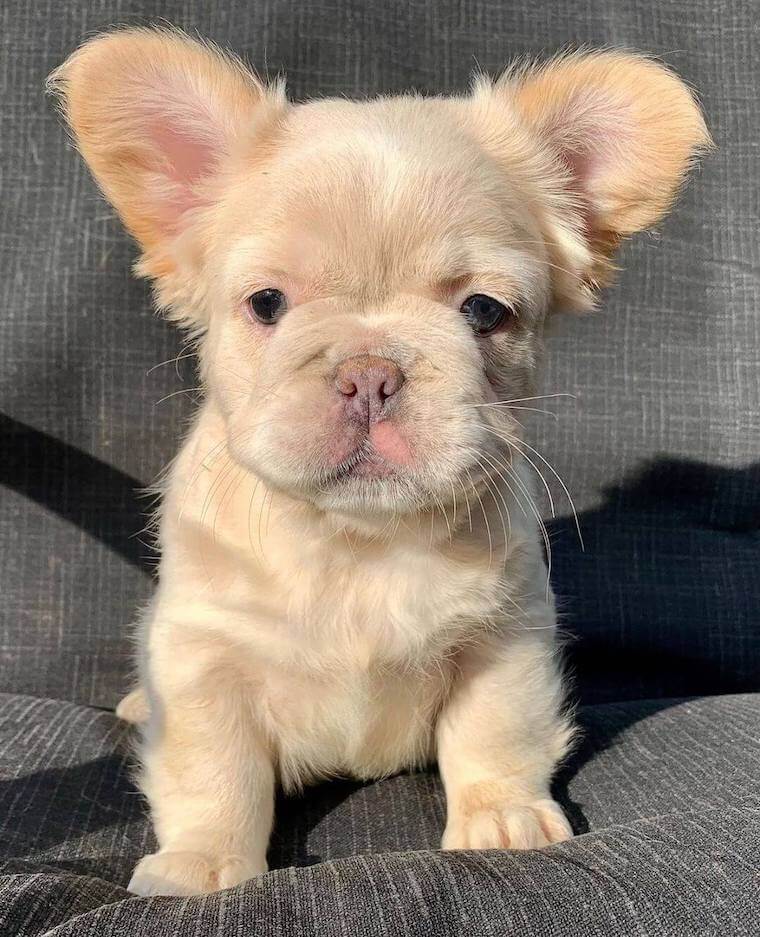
x=370, y=279
x=374, y=285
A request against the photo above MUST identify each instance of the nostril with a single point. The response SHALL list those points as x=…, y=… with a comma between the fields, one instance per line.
x=386, y=389
x=346, y=386
x=392, y=382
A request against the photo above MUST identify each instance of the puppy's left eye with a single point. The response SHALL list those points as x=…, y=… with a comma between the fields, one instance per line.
x=267, y=305
x=484, y=313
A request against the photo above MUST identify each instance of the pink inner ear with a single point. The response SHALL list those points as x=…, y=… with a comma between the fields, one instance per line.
x=190, y=159
x=187, y=160
x=592, y=140
x=582, y=166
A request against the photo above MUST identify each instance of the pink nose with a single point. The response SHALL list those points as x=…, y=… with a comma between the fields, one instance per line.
x=367, y=384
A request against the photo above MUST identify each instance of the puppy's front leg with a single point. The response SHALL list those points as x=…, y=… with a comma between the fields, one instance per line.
x=499, y=739
x=209, y=779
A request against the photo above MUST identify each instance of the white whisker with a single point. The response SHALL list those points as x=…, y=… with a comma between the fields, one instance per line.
x=521, y=442
x=485, y=518
x=176, y=393
x=528, y=459
x=467, y=502
x=176, y=360
x=509, y=406
x=539, y=520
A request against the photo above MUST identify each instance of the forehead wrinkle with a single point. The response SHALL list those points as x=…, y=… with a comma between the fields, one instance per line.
x=364, y=214
x=517, y=272
x=371, y=273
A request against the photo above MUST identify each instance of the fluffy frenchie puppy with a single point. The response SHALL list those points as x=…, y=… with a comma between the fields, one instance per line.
x=352, y=576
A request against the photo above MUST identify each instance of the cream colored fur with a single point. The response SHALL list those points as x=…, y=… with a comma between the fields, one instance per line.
x=309, y=623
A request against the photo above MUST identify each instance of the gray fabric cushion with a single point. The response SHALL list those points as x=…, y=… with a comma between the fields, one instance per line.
x=664, y=796
x=669, y=371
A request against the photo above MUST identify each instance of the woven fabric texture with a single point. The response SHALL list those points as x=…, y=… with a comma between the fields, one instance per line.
x=663, y=797
x=665, y=379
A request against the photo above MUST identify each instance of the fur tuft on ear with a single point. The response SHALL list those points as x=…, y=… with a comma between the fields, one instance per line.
x=158, y=117
x=621, y=132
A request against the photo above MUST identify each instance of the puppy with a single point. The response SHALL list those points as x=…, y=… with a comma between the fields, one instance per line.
x=352, y=578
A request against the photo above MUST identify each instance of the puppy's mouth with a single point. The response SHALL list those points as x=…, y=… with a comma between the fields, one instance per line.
x=364, y=464
x=380, y=455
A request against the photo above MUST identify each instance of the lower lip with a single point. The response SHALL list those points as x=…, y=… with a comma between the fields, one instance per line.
x=371, y=470
x=366, y=469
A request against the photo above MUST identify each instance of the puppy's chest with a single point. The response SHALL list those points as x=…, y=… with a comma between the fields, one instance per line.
x=348, y=649
x=361, y=662
x=399, y=609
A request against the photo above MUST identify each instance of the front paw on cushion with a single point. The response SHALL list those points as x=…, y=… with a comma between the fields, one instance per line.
x=507, y=826
x=189, y=873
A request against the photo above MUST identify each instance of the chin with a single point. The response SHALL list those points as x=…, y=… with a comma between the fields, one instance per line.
x=370, y=497
x=367, y=489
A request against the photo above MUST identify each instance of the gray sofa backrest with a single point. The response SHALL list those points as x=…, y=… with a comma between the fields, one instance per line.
x=666, y=377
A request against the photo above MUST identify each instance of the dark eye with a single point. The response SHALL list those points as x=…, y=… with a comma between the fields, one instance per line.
x=484, y=313
x=267, y=305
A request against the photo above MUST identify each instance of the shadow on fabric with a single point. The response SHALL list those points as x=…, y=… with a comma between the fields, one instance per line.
x=89, y=493
x=663, y=601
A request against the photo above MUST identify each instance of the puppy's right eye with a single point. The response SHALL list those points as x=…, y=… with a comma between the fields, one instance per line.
x=267, y=305
x=484, y=313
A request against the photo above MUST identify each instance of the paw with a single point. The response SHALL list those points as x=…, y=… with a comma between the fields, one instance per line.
x=507, y=826
x=189, y=873
x=134, y=707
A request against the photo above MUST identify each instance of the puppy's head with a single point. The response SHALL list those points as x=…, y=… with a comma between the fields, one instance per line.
x=369, y=281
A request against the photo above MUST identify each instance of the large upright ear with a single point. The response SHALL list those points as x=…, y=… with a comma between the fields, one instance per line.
x=623, y=131
x=158, y=117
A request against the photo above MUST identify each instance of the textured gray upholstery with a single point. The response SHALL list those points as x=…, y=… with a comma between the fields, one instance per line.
x=663, y=796
x=668, y=371
x=661, y=450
